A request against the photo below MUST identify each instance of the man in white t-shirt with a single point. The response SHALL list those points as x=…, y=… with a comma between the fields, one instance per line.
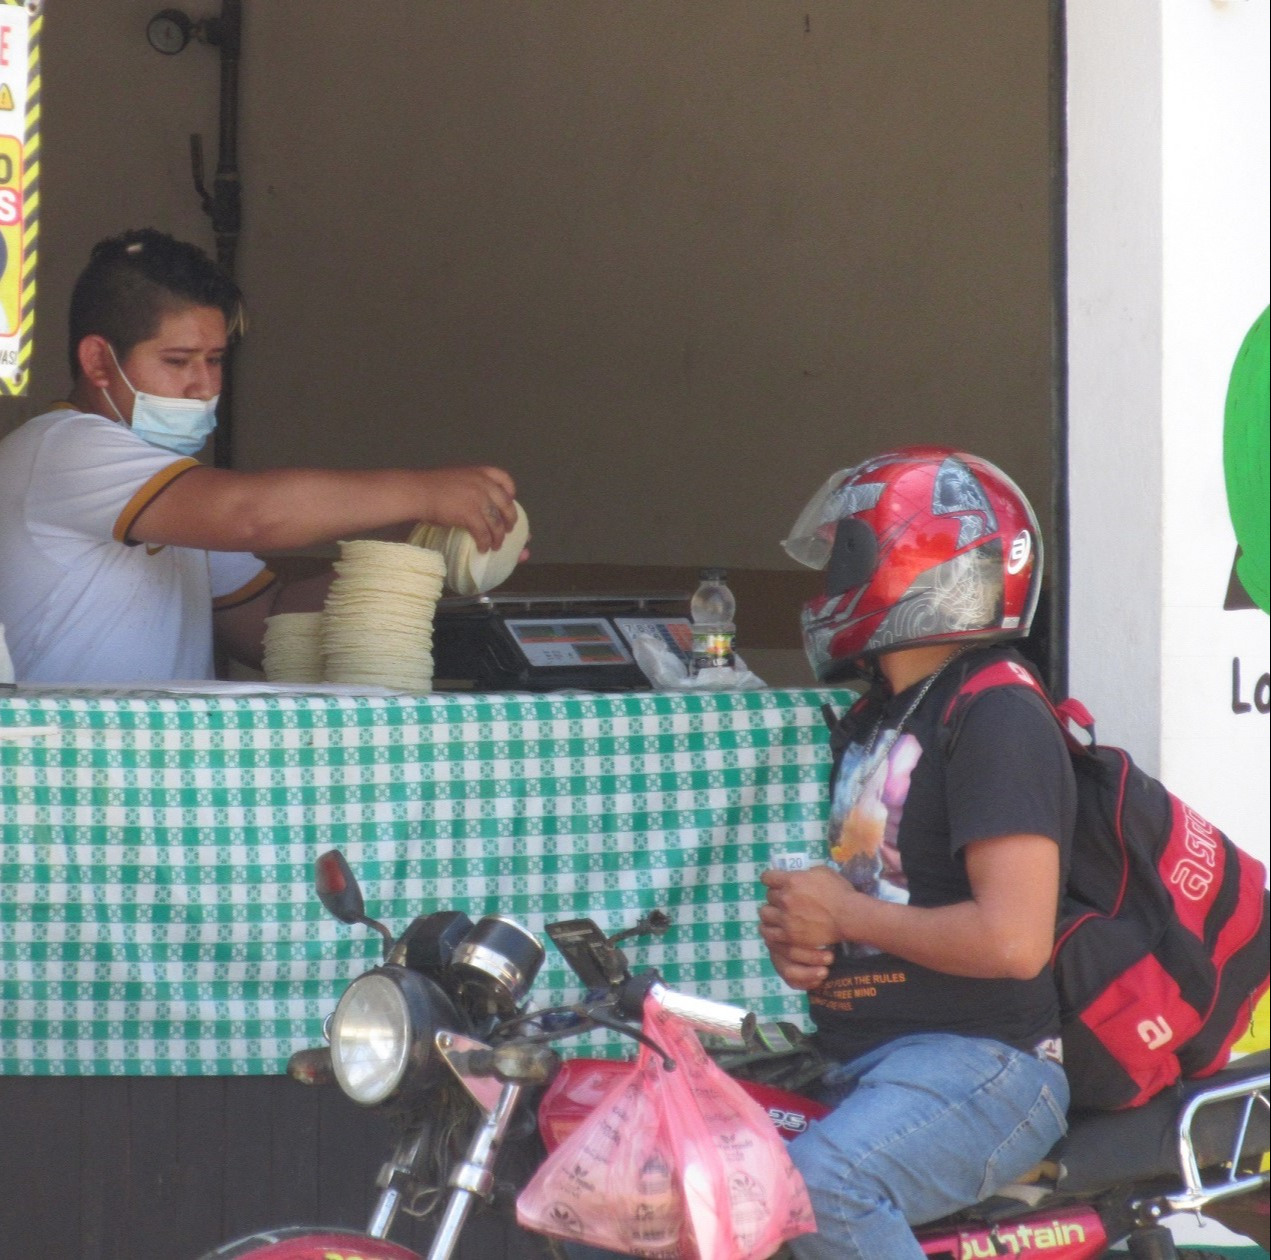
x=122, y=558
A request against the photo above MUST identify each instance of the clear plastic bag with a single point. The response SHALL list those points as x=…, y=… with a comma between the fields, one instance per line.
x=667, y=671
x=671, y=1165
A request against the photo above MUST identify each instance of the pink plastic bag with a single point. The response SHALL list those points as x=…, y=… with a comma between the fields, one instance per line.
x=678, y=1165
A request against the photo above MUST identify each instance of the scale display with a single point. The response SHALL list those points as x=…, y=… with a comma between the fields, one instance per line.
x=675, y=632
x=569, y=641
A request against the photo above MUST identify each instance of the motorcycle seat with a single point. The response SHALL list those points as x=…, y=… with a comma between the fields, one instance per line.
x=1104, y=1149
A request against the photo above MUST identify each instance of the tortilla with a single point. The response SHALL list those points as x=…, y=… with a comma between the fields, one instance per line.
x=469, y=571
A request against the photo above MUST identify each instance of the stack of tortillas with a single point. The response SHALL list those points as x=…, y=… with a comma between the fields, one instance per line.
x=293, y=647
x=469, y=571
x=378, y=621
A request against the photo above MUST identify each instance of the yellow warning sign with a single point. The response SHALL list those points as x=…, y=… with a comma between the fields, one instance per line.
x=10, y=234
x=20, y=23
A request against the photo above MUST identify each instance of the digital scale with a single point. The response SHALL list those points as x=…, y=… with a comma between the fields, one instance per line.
x=552, y=642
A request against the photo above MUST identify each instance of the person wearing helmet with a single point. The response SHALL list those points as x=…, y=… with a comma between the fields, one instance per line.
x=924, y=942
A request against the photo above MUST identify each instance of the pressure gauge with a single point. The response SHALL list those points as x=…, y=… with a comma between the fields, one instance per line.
x=169, y=31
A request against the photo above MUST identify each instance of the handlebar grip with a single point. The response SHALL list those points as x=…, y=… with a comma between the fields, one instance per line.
x=717, y=1018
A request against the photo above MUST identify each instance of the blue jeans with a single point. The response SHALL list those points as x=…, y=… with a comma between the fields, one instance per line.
x=924, y=1126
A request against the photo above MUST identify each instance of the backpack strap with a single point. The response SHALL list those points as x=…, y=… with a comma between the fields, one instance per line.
x=846, y=726
x=1013, y=673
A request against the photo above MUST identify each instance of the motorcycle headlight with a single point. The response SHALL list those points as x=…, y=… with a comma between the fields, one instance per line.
x=382, y=1034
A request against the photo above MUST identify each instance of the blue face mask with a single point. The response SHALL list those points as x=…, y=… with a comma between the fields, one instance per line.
x=179, y=425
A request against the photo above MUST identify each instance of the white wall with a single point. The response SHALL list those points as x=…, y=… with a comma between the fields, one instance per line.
x=1114, y=379
x=1168, y=267
x=1217, y=263
x=1168, y=249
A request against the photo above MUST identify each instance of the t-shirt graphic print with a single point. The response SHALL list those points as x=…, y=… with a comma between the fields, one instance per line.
x=865, y=811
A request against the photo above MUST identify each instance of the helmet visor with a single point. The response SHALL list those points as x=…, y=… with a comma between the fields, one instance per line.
x=853, y=557
x=811, y=541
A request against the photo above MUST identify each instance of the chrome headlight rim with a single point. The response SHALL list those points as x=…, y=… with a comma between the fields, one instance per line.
x=404, y=1011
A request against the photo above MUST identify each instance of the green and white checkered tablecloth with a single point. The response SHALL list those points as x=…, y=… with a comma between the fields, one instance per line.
x=156, y=854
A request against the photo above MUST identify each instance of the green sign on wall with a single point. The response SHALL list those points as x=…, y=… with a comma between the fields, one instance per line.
x=1246, y=457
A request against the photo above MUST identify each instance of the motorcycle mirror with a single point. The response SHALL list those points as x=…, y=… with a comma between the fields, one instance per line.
x=655, y=923
x=341, y=895
x=592, y=957
x=338, y=889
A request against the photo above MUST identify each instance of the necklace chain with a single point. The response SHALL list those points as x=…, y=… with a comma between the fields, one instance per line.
x=929, y=682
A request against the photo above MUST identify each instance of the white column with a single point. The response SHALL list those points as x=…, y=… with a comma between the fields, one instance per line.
x=1114, y=367
x=1168, y=219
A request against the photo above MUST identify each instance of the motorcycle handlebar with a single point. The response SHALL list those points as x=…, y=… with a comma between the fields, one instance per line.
x=717, y=1018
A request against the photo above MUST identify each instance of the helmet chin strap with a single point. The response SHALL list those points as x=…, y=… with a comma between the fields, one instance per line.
x=868, y=669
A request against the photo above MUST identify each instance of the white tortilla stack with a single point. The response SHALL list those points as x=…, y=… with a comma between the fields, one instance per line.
x=378, y=620
x=293, y=648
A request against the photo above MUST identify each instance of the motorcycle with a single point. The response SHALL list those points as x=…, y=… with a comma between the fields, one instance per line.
x=441, y=1036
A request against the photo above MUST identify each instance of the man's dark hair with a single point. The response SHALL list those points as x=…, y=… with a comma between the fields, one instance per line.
x=135, y=279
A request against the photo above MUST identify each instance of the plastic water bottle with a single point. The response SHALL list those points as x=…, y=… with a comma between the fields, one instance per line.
x=712, y=609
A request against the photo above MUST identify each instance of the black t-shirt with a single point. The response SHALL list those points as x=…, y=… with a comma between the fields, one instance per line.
x=904, y=804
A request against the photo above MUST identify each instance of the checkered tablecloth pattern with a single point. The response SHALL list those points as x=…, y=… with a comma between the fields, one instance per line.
x=156, y=854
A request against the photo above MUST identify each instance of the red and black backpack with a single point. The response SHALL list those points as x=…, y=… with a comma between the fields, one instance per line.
x=1163, y=948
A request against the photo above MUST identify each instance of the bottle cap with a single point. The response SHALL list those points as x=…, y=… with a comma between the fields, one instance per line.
x=713, y=575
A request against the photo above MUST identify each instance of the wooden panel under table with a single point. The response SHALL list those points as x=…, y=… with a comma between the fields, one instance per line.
x=144, y=1168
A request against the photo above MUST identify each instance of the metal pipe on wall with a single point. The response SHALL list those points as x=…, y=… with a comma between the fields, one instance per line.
x=169, y=31
x=225, y=206
x=1058, y=560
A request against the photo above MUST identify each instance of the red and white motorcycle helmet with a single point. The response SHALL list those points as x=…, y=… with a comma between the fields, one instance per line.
x=920, y=546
